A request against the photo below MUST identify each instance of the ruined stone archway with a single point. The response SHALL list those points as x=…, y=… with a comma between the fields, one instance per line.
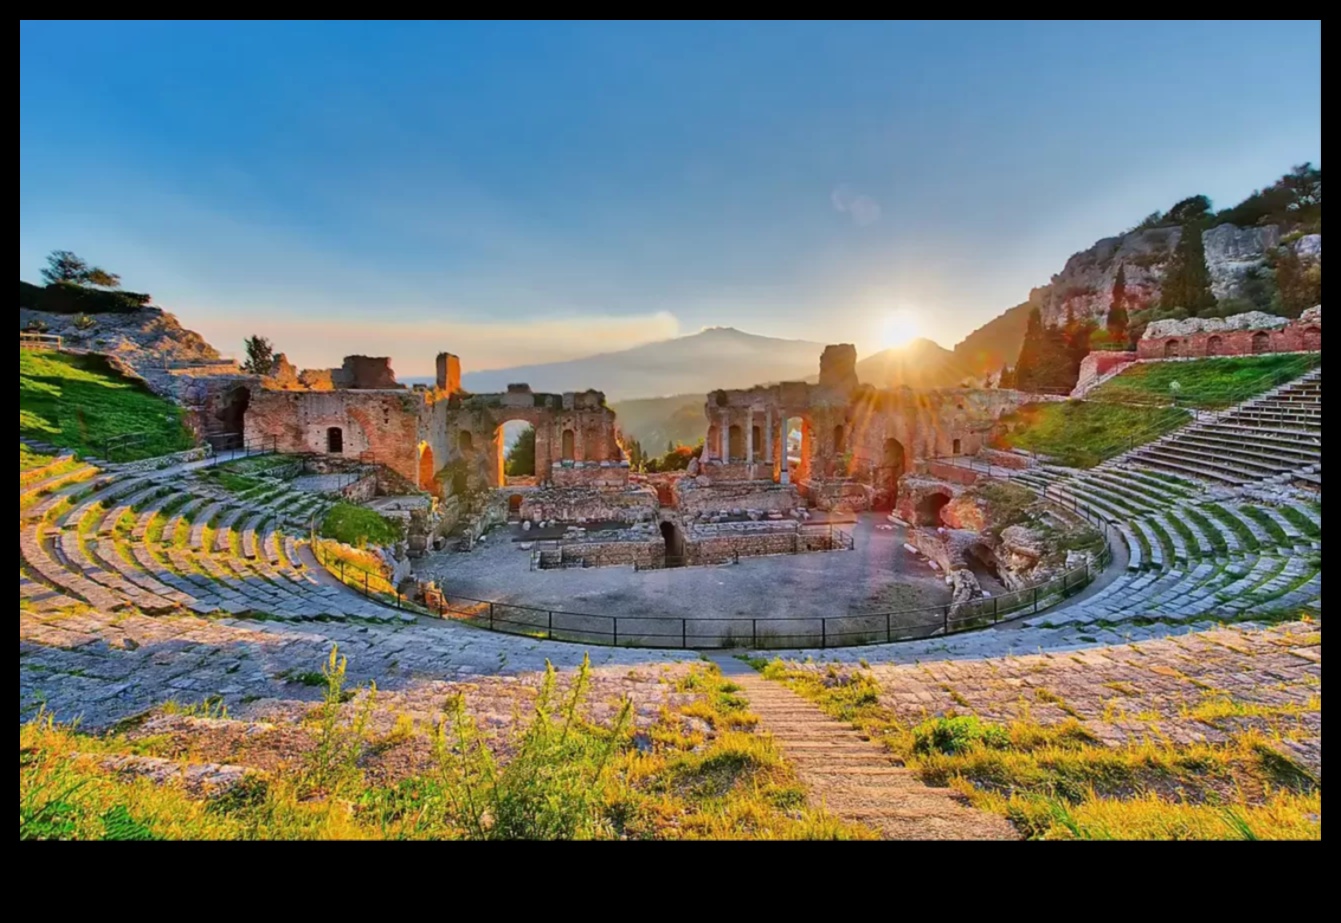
x=335, y=440
x=796, y=448
x=465, y=442
x=569, y=446
x=1215, y=346
x=1171, y=349
x=1261, y=342
x=735, y=443
x=516, y=441
x=514, y=507
x=427, y=468
x=1312, y=339
x=929, y=509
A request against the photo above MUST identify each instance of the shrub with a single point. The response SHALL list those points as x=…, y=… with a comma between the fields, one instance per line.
x=360, y=526
x=957, y=735
x=552, y=789
x=71, y=298
x=84, y=322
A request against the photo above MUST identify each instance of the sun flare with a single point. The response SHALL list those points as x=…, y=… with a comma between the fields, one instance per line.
x=899, y=328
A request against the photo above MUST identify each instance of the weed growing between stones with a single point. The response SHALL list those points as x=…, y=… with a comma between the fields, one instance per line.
x=697, y=771
x=1057, y=781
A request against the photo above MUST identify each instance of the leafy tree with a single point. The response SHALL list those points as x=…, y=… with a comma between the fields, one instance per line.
x=260, y=355
x=521, y=457
x=1298, y=282
x=1193, y=208
x=1293, y=201
x=1117, y=311
x=1046, y=362
x=65, y=267
x=1007, y=377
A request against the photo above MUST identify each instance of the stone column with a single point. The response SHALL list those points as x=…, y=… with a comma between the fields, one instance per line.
x=724, y=432
x=749, y=436
x=768, y=434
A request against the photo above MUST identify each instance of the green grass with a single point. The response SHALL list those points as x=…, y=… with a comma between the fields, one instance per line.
x=79, y=402
x=1269, y=525
x=359, y=526
x=28, y=459
x=1207, y=384
x=1081, y=434
x=1235, y=525
x=1301, y=522
x=1057, y=781
x=696, y=771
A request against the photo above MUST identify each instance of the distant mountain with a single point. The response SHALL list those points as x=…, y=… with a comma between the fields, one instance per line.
x=660, y=422
x=919, y=364
x=996, y=343
x=719, y=357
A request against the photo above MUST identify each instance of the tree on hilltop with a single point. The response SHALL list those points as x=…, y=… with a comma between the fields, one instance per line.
x=65, y=267
x=260, y=355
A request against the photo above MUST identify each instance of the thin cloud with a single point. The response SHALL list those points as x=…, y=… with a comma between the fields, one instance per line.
x=412, y=344
x=862, y=209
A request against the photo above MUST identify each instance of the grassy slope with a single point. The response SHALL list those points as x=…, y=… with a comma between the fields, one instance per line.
x=78, y=402
x=1058, y=782
x=564, y=779
x=359, y=526
x=1082, y=434
x=1210, y=384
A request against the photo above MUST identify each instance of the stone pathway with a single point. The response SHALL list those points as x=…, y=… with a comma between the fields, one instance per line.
x=853, y=777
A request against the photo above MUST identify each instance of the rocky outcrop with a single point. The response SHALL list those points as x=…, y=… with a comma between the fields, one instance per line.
x=1249, y=320
x=147, y=337
x=1232, y=252
x=1085, y=285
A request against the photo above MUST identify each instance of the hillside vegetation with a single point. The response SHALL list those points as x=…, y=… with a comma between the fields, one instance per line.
x=1209, y=384
x=1081, y=434
x=79, y=402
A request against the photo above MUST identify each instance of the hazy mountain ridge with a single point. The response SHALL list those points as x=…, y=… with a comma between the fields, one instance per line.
x=719, y=357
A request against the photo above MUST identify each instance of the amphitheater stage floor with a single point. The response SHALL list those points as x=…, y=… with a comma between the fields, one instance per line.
x=879, y=575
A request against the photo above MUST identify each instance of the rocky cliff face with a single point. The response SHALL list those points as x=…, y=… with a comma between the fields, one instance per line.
x=147, y=337
x=1085, y=284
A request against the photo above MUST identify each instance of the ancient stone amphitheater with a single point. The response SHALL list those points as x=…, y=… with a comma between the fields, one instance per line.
x=142, y=584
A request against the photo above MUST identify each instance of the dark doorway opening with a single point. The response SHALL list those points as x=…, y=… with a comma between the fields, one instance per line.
x=674, y=544
x=929, y=509
x=335, y=440
x=514, y=507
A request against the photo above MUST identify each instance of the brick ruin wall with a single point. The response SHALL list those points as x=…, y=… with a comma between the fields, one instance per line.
x=762, y=496
x=1303, y=334
x=590, y=505
x=380, y=426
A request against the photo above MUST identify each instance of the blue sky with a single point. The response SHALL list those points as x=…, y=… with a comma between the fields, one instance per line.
x=524, y=192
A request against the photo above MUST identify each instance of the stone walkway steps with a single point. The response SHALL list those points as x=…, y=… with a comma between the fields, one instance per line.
x=854, y=778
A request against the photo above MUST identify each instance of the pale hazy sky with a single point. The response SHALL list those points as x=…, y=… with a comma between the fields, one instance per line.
x=524, y=192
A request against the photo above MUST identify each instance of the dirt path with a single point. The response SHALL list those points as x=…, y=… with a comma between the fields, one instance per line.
x=854, y=778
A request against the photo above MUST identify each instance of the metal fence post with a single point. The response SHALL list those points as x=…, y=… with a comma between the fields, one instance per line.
x=824, y=633
x=945, y=621
x=550, y=628
x=888, y=633
x=615, y=631
x=491, y=616
x=684, y=633
x=754, y=632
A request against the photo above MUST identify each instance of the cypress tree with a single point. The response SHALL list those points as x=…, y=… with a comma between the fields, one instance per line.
x=1117, y=311
x=1187, y=280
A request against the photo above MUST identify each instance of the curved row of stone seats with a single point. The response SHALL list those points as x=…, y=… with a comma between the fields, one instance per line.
x=1277, y=433
x=117, y=541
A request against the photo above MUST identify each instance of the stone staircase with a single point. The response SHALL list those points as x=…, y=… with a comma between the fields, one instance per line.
x=169, y=541
x=1192, y=555
x=854, y=777
x=1278, y=434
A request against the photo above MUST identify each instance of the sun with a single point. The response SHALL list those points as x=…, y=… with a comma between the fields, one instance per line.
x=899, y=328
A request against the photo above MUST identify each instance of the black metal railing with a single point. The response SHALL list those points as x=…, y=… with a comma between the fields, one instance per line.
x=773, y=632
x=227, y=447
